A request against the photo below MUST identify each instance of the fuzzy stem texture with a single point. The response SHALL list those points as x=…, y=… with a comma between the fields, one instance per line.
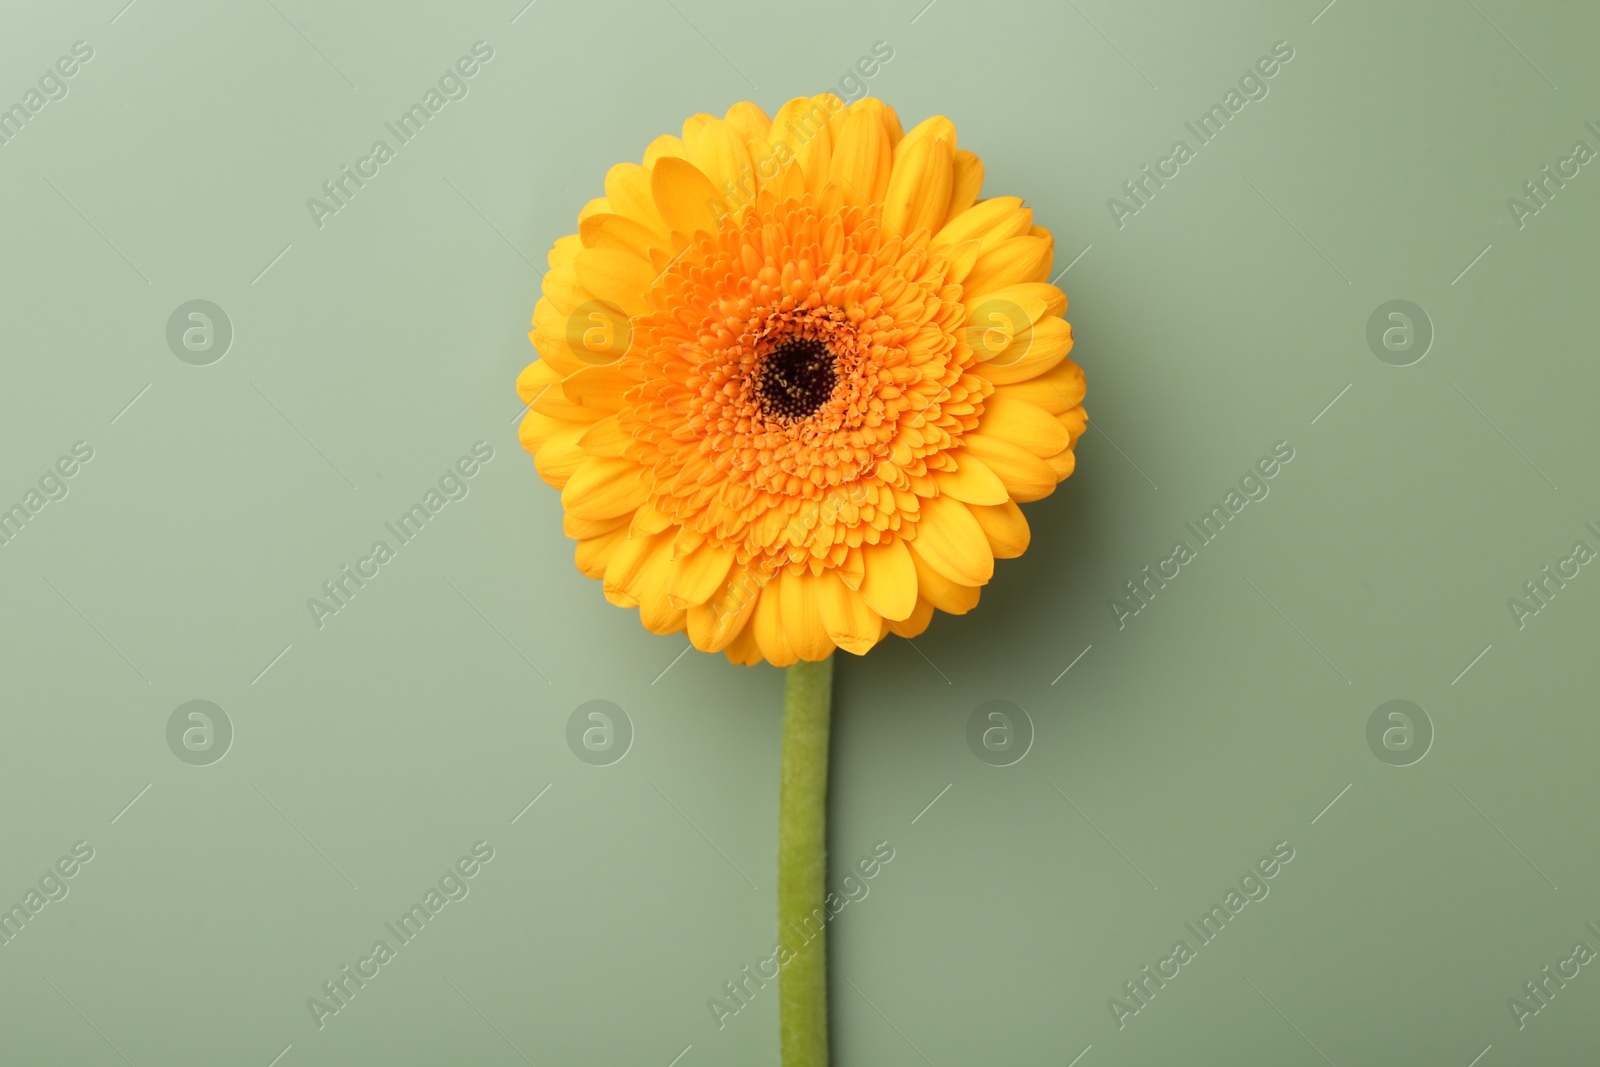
x=803, y=864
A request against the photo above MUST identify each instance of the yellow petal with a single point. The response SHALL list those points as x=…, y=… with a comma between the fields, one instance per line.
x=648, y=521
x=537, y=428
x=751, y=122
x=1057, y=390
x=767, y=626
x=860, y=162
x=852, y=570
x=698, y=576
x=718, y=151
x=1026, y=476
x=889, y=579
x=534, y=380
x=605, y=438
x=802, y=615
x=559, y=458
x=1024, y=424
x=836, y=110
x=1076, y=420
x=801, y=129
x=1032, y=352
x=554, y=402
x=716, y=624
x=850, y=622
x=687, y=541
x=685, y=197
x=919, y=187
x=950, y=541
x=617, y=277
x=933, y=128
x=553, y=332
x=952, y=598
x=1049, y=301
x=665, y=145
x=971, y=482
x=593, y=554
x=628, y=193
x=914, y=623
x=597, y=388
x=891, y=121
x=618, y=231
x=625, y=569
x=562, y=289
x=602, y=487
x=657, y=611
x=565, y=249
x=583, y=529
x=744, y=649
x=1016, y=259
x=966, y=181
x=1005, y=527
x=961, y=259
x=990, y=222
x=999, y=330
x=1063, y=464
x=790, y=183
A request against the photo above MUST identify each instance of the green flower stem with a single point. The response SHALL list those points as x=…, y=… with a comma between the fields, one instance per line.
x=803, y=864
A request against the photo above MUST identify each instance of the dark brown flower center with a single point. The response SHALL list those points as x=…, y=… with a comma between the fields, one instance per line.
x=796, y=379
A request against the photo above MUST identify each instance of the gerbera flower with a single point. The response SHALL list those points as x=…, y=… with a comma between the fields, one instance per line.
x=795, y=378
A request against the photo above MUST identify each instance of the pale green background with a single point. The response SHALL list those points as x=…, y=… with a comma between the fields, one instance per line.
x=416, y=723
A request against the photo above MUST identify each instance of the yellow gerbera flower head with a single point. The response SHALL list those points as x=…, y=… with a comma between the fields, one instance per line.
x=795, y=377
